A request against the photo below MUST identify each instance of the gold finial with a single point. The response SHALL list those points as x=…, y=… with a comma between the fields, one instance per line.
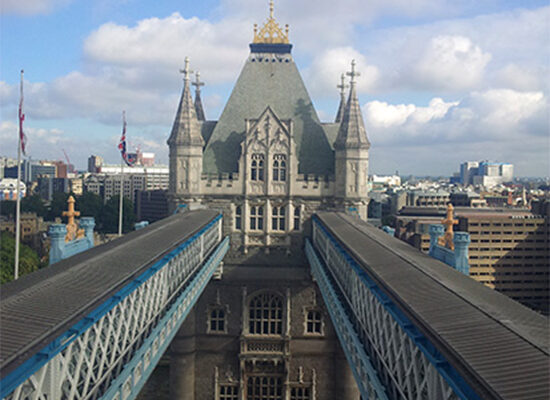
x=271, y=32
x=72, y=229
x=447, y=240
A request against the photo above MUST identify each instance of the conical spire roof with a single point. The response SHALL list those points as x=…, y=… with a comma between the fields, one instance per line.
x=342, y=86
x=198, y=102
x=186, y=129
x=352, y=133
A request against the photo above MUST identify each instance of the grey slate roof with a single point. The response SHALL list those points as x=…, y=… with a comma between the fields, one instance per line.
x=269, y=80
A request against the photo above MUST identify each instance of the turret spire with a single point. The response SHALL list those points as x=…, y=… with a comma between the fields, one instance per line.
x=186, y=129
x=352, y=133
x=342, y=86
x=198, y=102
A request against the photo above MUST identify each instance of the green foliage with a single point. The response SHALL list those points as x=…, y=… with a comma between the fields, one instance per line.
x=109, y=216
x=89, y=205
x=57, y=205
x=7, y=207
x=28, y=259
x=34, y=204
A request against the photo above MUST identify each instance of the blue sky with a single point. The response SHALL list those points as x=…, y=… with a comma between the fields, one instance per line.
x=442, y=81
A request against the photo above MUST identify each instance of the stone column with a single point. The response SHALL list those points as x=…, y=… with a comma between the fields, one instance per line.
x=346, y=387
x=461, y=241
x=57, y=233
x=436, y=231
x=88, y=224
x=182, y=361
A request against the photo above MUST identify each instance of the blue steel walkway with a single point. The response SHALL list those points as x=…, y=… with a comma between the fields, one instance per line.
x=412, y=328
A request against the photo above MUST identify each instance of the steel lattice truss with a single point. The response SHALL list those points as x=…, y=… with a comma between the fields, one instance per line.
x=401, y=358
x=114, y=357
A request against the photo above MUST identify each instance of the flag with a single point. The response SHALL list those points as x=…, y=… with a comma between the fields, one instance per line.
x=122, y=143
x=22, y=136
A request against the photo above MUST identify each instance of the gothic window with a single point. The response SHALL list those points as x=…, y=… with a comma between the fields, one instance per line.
x=279, y=167
x=238, y=217
x=257, y=167
x=264, y=388
x=216, y=320
x=300, y=393
x=229, y=392
x=265, y=315
x=314, y=322
x=297, y=218
x=278, y=218
x=257, y=218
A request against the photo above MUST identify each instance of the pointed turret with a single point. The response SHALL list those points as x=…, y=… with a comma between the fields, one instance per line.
x=198, y=102
x=351, y=155
x=342, y=86
x=185, y=149
x=352, y=133
x=186, y=129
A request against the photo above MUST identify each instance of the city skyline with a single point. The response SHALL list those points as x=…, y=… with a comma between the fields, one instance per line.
x=440, y=83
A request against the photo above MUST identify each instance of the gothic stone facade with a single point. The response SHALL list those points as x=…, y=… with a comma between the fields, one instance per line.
x=261, y=330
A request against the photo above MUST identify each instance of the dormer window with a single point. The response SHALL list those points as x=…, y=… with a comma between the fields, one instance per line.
x=279, y=167
x=257, y=167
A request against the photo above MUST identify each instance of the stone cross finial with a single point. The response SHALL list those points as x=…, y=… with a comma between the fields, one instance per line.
x=353, y=73
x=342, y=86
x=271, y=9
x=186, y=71
x=72, y=228
x=197, y=82
x=449, y=222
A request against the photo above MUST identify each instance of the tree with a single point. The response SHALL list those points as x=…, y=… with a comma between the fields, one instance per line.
x=28, y=259
x=57, y=205
x=90, y=205
x=7, y=207
x=34, y=204
x=109, y=216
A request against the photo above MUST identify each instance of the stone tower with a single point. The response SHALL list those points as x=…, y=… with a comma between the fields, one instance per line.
x=185, y=149
x=351, y=150
x=261, y=329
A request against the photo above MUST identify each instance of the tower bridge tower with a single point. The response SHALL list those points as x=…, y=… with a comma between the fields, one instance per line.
x=268, y=163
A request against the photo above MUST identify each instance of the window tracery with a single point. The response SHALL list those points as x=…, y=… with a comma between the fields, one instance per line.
x=265, y=315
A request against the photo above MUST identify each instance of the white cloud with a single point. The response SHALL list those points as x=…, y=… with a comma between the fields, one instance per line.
x=30, y=7
x=451, y=62
x=498, y=124
x=324, y=73
x=523, y=77
x=384, y=115
x=159, y=45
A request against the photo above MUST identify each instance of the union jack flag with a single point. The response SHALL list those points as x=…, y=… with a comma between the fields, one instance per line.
x=122, y=143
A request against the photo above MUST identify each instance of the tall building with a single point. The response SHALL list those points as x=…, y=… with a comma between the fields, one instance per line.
x=94, y=163
x=268, y=163
x=485, y=173
x=509, y=252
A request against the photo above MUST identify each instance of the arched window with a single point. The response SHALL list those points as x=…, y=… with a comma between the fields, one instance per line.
x=278, y=218
x=238, y=217
x=264, y=387
x=279, y=167
x=265, y=315
x=257, y=167
x=257, y=218
x=297, y=218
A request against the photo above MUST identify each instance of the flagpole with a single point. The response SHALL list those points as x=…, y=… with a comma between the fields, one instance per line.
x=120, y=204
x=17, y=189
